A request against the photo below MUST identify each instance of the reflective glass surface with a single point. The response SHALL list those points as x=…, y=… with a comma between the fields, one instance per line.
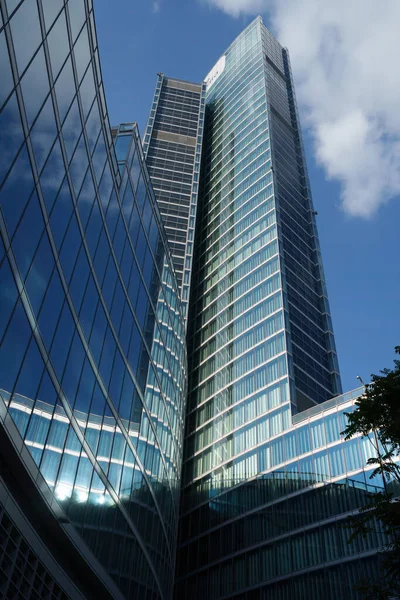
x=96, y=269
x=263, y=469
x=289, y=520
x=92, y=335
x=172, y=145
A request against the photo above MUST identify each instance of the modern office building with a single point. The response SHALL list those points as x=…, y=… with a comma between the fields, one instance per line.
x=92, y=357
x=172, y=146
x=282, y=533
x=95, y=274
x=265, y=485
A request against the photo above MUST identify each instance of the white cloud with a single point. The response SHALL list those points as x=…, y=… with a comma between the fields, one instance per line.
x=344, y=60
x=155, y=7
x=238, y=7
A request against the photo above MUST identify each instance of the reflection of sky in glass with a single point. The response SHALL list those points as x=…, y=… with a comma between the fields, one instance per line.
x=92, y=355
x=92, y=336
x=260, y=350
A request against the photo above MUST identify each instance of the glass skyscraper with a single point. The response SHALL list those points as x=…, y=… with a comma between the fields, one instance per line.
x=96, y=269
x=172, y=146
x=263, y=478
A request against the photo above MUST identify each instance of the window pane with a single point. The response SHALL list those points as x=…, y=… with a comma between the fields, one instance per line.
x=52, y=176
x=19, y=184
x=27, y=236
x=17, y=339
x=51, y=8
x=65, y=89
x=77, y=16
x=11, y=134
x=35, y=86
x=8, y=296
x=25, y=45
x=58, y=44
x=82, y=52
x=39, y=274
x=43, y=134
x=87, y=92
x=72, y=129
x=6, y=79
x=122, y=146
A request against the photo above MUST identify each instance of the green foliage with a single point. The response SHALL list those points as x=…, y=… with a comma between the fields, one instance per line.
x=379, y=410
x=377, y=416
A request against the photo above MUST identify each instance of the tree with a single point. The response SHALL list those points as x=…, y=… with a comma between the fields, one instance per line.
x=377, y=416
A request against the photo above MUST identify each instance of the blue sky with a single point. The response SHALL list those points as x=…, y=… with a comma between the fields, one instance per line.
x=348, y=88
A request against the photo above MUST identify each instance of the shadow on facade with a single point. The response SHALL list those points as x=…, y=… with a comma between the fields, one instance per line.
x=283, y=535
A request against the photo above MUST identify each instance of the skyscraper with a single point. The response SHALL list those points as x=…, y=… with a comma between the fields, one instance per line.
x=259, y=324
x=262, y=356
x=172, y=146
x=93, y=316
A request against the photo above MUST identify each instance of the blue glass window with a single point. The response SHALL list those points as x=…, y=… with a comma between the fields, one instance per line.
x=122, y=145
x=6, y=79
x=24, y=45
x=8, y=295
x=19, y=184
x=336, y=460
x=332, y=427
x=27, y=236
x=17, y=338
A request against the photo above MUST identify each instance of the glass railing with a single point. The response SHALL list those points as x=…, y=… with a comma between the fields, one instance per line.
x=319, y=408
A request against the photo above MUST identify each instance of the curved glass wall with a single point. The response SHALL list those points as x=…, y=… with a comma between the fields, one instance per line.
x=92, y=355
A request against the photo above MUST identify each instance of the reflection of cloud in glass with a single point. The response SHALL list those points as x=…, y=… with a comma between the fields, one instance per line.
x=93, y=126
x=86, y=198
x=11, y=134
x=99, y=157
x=87, y=91
x=25, y=39
x=82, y=53
x=71, y=129
x=58, y=44
x=51, y=8
x=79, y=165
x=105, y=187
x=19, y=184
x=35, y=86
x=65, y=89
x=52, y=175
x=87, y=454
x=6, y=79
x=77, y=16
x=43, y=134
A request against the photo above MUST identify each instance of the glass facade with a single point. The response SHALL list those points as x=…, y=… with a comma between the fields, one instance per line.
x=96, y=269
x=92, y=340
x=281, y=532
x=172, y=145
x=243, y=359
x=315, y=369
x=265, y=484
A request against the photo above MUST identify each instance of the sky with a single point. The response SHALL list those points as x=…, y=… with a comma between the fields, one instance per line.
x=345, y=66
